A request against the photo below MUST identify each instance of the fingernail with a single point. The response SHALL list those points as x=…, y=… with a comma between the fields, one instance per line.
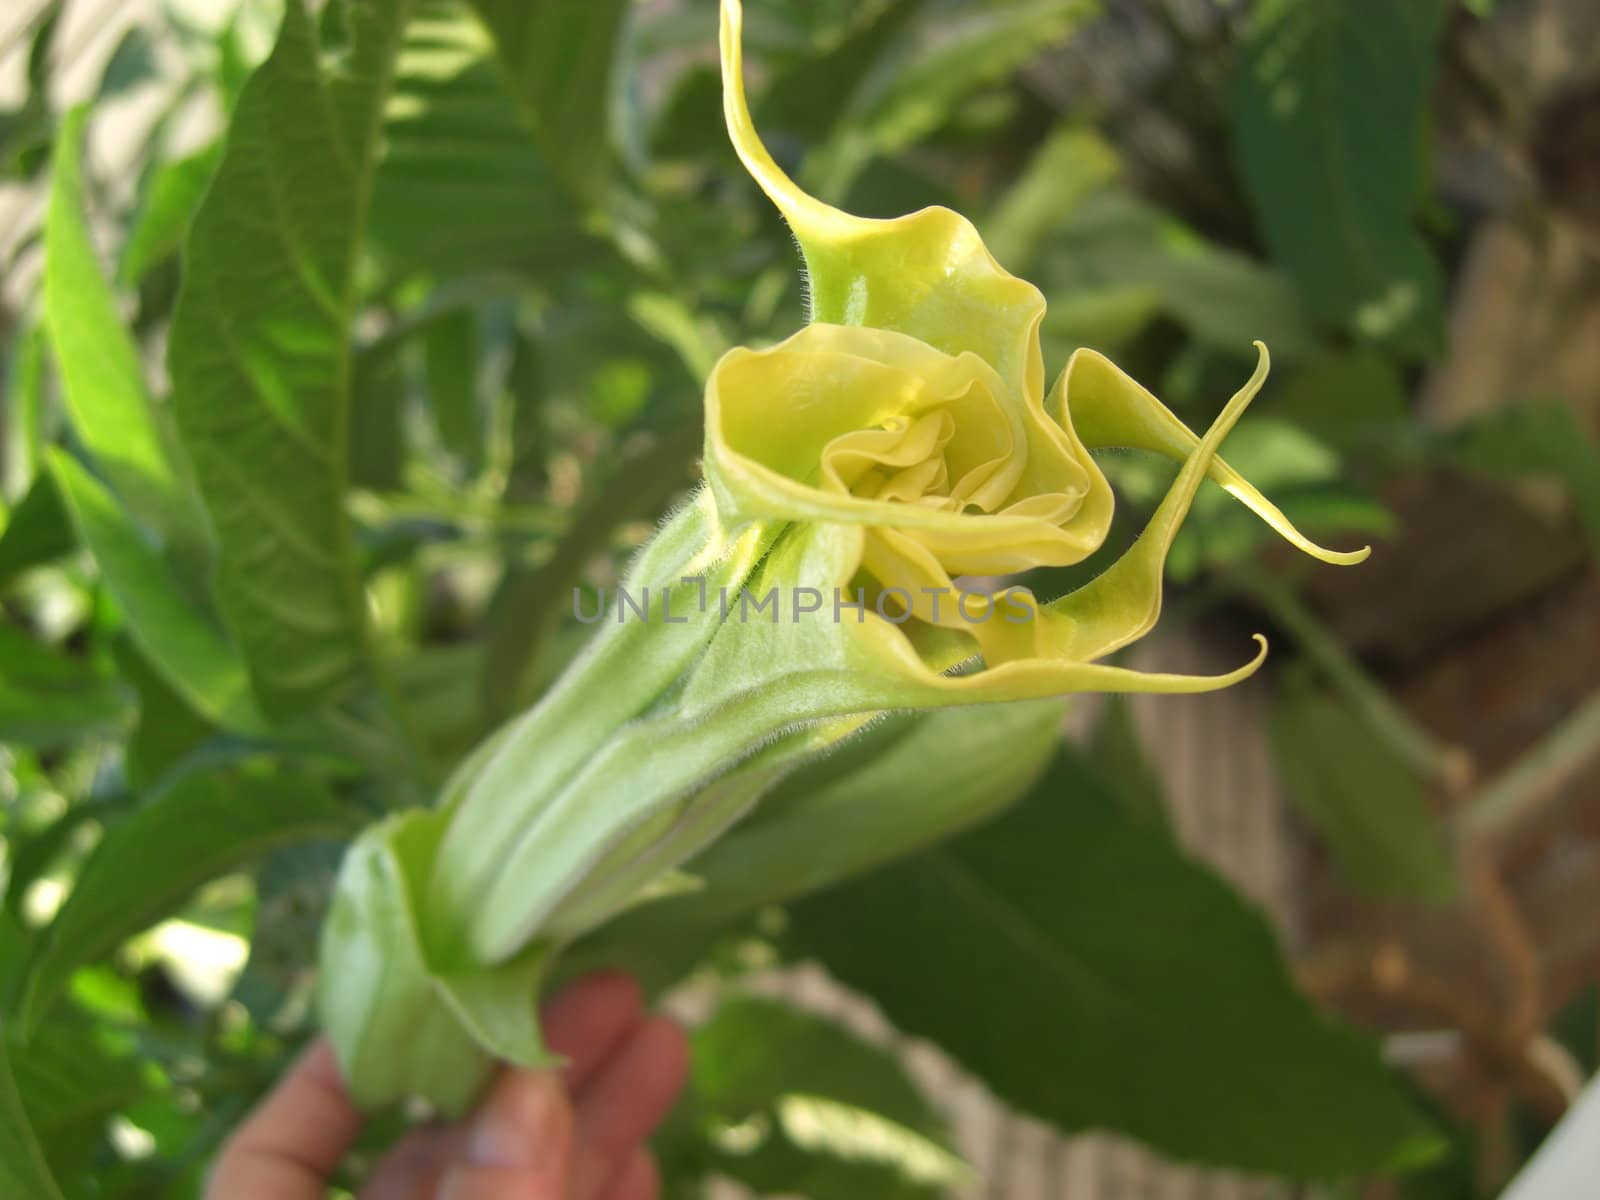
x=523, y=1123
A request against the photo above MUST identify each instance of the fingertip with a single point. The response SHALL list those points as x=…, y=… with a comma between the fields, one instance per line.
x=525, y=1122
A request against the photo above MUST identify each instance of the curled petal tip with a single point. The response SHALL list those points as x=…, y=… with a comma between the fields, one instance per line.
x=1280, y=523
x=1346, y=558
x=1254, y=665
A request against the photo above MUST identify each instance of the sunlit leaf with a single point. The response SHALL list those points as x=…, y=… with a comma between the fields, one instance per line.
x=179, y=637
x=260, y=356
x=102, y=377
x=202, y=826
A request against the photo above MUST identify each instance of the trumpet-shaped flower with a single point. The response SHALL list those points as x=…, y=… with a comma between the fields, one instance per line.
x=860, y=475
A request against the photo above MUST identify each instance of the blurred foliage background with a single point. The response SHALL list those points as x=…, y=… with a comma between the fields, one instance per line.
x=1401, y=199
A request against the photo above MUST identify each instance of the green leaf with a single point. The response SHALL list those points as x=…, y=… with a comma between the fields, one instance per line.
x=1360, y=796
x=23, y=1170
x=1537, y=439
x=102, y=378
x=792, y=1103
x=202, y=826
x=462, y=186
x=32, y=854
x=261, y=362
x=71, y=1077
x=528, y=609
x=1327, y=109
x=810, y=95
x=175, y=633
x=49, y=700
x=1344, y=397
x=1072, y=162
x=377, y=417
x=558, y=60
x=450, y=359
x=22, y=414
x=169, y=728
x=1115, y=249
x=170, y=196
x=949, y=50
x=37, y=530
x=132, y=63
x=1092, y=975
x=1129, y=777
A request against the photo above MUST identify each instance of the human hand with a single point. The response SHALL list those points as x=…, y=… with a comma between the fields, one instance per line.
x=576, y=1134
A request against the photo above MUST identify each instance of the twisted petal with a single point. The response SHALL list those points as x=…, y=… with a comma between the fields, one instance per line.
x=1119, y=412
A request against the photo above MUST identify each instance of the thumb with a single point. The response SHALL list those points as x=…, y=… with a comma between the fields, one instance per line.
x=518, y=1143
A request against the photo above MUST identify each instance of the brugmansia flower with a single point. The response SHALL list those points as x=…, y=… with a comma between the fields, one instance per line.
x=858, y=474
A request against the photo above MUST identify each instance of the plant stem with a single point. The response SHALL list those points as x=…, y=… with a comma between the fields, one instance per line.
x=1450, y=765
x=1530, y=784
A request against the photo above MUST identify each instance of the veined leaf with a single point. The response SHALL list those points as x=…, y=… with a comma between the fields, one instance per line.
x=145, y=867
x=102, y=379
x=1092, y=975
x=558, y=59
x=261, y=360
x=1328, y=106
x=23, y=1170
x=177, y=635
x=463, y=186
x=48, y=699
